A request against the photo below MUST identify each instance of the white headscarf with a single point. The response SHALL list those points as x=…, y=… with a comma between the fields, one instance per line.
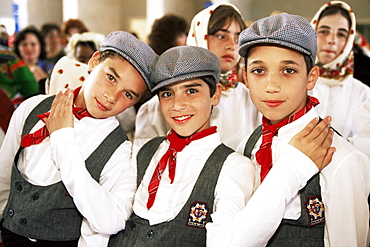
x=342, y=66
x=198, y=37
x=96, y=38
x=199, y=26
x=67, y=71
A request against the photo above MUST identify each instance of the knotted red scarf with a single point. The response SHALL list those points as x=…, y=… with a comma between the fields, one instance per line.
x=177, y=144
x=39, y=135
x=264, y=154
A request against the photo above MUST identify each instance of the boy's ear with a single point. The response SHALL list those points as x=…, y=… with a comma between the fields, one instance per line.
x=312, y=77
x=216, y=97
x=93, y=61
x=245, y=77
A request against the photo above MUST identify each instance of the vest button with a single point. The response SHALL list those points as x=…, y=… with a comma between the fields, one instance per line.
x=23, y=221
x=11, y=212
x=35, y=196
x=150, y=234
x=18, y=186
x=132, y=225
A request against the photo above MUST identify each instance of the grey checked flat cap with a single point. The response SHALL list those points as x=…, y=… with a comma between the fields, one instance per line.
x=287, y=30
x=185, y=62
x=139, y=54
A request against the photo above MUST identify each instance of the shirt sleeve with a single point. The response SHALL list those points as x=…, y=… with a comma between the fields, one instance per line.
x=105, y=205
x=255, y=224
x=361, y=122
x=234, y=187
x=345, y=190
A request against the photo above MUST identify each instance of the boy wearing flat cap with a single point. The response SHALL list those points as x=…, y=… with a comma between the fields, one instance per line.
x=188, y=178
x=66, y=174
x=332, y=209
x=189, y=174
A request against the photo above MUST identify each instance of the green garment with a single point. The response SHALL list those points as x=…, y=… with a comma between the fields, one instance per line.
x=15, y=77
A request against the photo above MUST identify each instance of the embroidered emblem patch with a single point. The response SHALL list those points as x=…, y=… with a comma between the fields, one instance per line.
x=198, y=214
x=315, y=210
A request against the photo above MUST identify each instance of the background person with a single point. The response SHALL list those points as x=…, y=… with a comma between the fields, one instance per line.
x=337, y=90
x=53, y=42
x=29, y=45
x=168, y=31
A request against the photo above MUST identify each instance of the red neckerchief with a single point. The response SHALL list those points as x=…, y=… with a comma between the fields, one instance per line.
x=177, y=144
x=39, y=135
x=264, y=154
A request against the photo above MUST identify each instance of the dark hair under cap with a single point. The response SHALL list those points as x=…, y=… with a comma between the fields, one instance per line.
x=185, y=62
x=139, y=54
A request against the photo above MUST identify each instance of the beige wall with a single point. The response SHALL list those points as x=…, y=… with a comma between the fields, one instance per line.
x=262, y=8
x=42, y=11
x=130, y=15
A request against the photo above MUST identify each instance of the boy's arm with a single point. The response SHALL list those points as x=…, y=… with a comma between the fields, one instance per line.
x=345, y=187
x=234, y=188
x=106, y=205
x=257, y=222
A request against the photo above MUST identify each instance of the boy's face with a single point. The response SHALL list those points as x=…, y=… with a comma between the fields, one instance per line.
x=113, y=86
x=187, y=105
x=278, y=81
x=224, y=44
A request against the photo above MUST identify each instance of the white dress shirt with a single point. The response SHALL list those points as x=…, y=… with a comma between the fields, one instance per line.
x=235, y=117
x=361, y=121
x=105, y=205
x=340, y=102
x=234, y=186
x=345, y=187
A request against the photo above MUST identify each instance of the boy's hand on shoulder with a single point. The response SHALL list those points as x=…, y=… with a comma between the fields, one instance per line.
x=315, y=141
x=61, y=115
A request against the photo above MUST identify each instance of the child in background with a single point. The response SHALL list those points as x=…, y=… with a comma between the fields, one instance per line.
x=76, y=184
x=217, y=29
x=337, y=90
x=81, y=46
x=332, y=209
x=53, y=42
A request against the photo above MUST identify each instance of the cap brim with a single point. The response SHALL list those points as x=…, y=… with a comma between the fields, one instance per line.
x=243, y=49
x=181, y=78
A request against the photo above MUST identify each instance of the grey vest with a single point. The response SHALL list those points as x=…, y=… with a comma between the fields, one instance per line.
x=188, y=228
x=48, y=212
x=308, y=229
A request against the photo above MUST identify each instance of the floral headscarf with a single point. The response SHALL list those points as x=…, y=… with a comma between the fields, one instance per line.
x=361, y=41
x=198, y=37
x=67, y=71
x=337, y=71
